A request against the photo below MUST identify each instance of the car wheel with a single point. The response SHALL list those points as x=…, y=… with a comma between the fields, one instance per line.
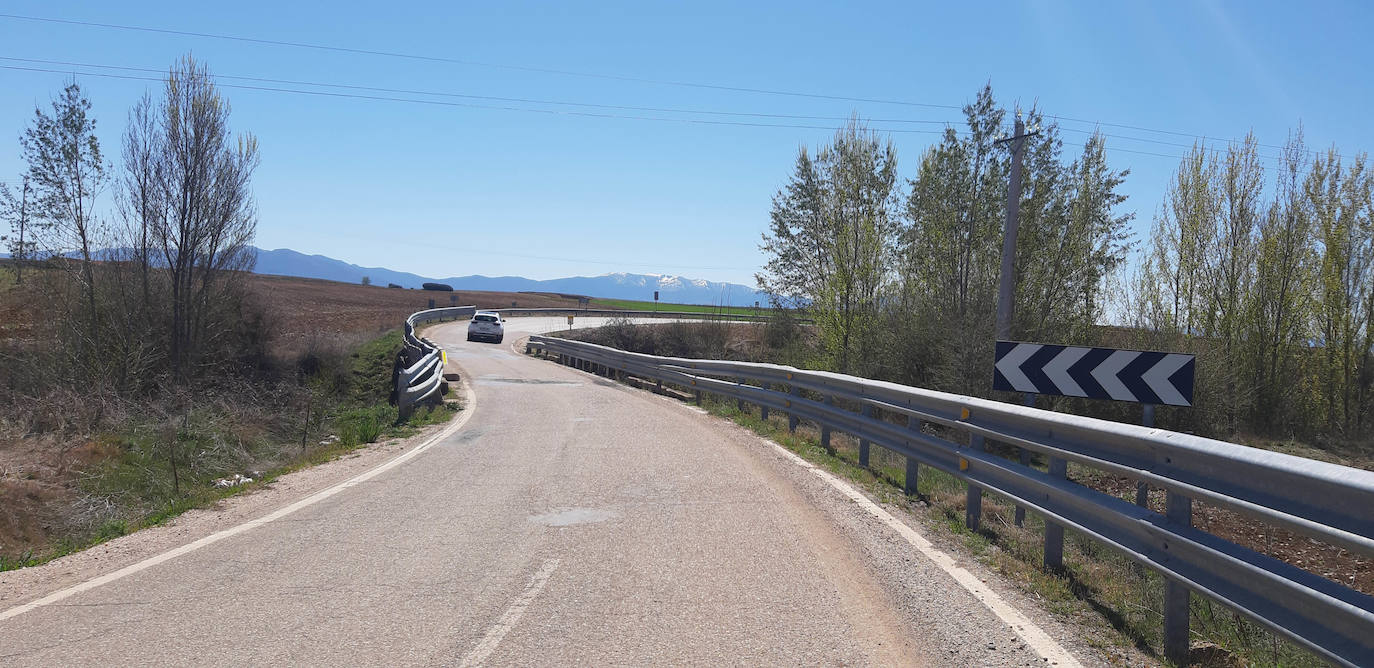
x=469, y=337
x=500, y=339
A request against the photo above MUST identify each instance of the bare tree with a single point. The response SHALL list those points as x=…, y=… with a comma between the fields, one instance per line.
x=142, y=198
x=210, y=218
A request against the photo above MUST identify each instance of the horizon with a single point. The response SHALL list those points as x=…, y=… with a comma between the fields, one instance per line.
x=406, y=271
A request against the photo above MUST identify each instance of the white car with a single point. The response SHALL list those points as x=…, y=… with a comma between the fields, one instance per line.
x=488, y=326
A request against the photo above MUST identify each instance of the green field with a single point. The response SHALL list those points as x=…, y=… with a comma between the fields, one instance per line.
x=631, y=305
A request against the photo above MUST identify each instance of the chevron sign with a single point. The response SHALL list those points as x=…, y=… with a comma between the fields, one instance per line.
x=1096, y=373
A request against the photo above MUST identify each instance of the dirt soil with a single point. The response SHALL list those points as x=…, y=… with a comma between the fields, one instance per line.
x=39, y=491
x=40, y=495
x=301, y=308
x=1316, y=557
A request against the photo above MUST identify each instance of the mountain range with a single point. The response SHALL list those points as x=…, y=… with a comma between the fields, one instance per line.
x=619, y=285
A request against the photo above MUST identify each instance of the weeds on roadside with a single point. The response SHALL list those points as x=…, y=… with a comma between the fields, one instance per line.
x=157, y=463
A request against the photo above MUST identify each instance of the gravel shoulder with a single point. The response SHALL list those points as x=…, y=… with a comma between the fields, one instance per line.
x=26, y=584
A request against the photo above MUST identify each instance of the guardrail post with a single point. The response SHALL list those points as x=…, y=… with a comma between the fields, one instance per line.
x=739, y=401
x=1054, y=532
x=763, y=410
x=792, y=417
x=825, y=429
x=973, y=512
x=867, y=412
x=1142, y=488
x=1023, y=456
x=1178, y=509
x=658, y=386
x=911, y=486
x=402, y=407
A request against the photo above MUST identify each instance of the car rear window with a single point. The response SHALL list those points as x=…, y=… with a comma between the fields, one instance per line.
x=485, y=318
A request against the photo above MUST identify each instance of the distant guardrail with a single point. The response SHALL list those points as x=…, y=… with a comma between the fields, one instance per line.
x=1333, y=504
x=418, y=373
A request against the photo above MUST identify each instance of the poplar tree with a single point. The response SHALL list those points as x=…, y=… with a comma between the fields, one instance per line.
x=1281, y=297
x=67, y=173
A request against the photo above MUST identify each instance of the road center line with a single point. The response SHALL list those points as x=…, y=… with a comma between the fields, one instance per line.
x=469, y=407
x=511, y=617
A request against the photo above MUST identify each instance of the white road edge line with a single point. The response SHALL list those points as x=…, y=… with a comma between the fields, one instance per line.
x=510, y=617
x=1039, y=641
x=468, y=409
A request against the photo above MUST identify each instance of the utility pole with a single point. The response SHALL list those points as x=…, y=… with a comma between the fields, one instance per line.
x=1007, y=288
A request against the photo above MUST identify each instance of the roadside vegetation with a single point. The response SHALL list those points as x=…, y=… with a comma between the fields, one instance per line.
x=1260, y=261
x=149, y=459
x=141, y=374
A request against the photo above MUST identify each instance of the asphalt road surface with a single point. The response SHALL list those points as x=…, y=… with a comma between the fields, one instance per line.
x=570, y=521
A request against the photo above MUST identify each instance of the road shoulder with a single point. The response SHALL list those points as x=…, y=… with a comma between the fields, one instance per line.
x=21, y=586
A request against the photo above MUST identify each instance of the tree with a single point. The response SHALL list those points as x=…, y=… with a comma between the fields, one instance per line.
x=1280, y=301
x=798, y=256
x=19, y=212
x=367, y=280
x=1182, y=234
x=831, y=243
x=143, y=198
x=951, y=252
x=1341, y=205
x=67, y=173
x=1072, y=240
x=1229, y=267
x=199, y=212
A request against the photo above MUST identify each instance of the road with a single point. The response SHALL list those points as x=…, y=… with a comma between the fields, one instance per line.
x=570, y=520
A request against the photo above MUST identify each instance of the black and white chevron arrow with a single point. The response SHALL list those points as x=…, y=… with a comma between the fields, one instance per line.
x=1096, y=373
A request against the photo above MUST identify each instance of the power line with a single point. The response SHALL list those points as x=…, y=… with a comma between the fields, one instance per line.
x=583, y=104
x=613, y=77
x=596, y=75
x=560, y=112
x=474, y=63
x=564, y=112
x=404, y=91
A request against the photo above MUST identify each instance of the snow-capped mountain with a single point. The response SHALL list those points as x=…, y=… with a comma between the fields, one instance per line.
x=618, y=285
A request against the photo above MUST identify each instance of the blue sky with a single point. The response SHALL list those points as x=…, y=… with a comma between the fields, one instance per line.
x=452, y=190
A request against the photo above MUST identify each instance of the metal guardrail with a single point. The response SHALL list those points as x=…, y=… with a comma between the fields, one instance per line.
x=1333, y=504
x=419, y=371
